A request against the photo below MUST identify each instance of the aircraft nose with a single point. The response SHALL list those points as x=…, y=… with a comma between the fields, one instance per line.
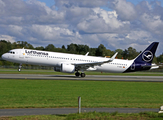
x=4, y=56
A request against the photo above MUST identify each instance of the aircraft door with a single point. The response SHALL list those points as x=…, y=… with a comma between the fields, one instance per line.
x=21, y=54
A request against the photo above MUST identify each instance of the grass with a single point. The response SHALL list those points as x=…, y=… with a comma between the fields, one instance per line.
x=92, y=116
x=62, y=93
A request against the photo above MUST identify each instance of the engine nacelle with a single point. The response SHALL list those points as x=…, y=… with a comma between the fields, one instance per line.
x=65, y=67
x=68, y=68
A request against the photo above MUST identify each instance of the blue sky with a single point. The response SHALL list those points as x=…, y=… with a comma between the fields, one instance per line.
x=48, y=2
x=51, y=2
x=118, y=25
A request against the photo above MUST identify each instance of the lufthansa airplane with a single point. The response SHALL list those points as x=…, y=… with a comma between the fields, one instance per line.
x=70, y=63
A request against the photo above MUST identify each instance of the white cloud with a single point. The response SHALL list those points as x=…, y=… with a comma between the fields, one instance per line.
x=152, y=23
x=124, y=9
x=79, y=3
x=7, y=38
x=102, y=22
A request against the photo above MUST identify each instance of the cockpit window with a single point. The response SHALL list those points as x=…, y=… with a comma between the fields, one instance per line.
x=11, y=52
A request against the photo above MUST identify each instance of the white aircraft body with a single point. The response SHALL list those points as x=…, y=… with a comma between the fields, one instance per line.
x=70, y=63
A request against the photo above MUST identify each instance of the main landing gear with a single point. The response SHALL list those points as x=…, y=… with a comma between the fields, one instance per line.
x=78, y=74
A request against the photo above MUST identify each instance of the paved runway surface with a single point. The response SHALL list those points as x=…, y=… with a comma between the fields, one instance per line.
x=58, y=111
x=88, y=77
x=45, y=111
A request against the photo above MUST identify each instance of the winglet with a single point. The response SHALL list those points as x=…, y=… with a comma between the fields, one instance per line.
x=113, y=57
x=87, y=54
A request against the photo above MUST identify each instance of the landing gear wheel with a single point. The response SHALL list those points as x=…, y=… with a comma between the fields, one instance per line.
x=77, y=74
x=82, y=74
x=19, y=69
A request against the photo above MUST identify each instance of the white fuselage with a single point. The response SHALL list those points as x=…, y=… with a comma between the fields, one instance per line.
x=55, y=59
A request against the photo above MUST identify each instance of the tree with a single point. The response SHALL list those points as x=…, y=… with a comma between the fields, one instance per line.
x=120, y=53
x=130, y=53
x=50, y=47
x=40, y=48
x=160, y=58
x=22, y=44
x=72, y=48
x=101, y=50
x=63, y=47
x=154, y=60
x=82, y=49
x=92, y=51
x=4, y=47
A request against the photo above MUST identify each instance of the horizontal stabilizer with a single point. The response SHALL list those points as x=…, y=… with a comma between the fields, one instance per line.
x=154, y=66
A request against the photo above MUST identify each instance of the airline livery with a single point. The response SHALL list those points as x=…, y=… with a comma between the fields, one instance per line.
x=70, y=63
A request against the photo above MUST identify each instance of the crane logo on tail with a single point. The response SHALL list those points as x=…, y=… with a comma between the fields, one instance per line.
x=147, y=56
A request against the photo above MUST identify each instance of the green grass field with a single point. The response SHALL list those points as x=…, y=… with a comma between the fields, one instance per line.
x=62, y=93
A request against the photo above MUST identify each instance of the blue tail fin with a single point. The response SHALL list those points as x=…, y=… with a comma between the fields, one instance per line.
x=148, y=54
x=144, y=60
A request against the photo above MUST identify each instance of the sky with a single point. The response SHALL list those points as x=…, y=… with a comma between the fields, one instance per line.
x=117, y=24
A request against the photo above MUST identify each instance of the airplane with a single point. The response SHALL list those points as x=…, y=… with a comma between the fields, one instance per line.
x=70, y=63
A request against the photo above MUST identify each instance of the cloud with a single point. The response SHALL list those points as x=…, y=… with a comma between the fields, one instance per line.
x=79, y=3
x=126, y=10
x=102, y=22
x=83, y=22
x=7, y=38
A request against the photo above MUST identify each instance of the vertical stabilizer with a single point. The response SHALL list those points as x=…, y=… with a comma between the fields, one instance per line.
x=148, y=54
x=144, y=60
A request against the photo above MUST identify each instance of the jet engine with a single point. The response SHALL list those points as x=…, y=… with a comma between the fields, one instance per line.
x=65, y=67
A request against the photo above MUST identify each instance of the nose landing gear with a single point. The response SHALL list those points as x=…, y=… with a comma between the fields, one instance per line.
x=20, y=66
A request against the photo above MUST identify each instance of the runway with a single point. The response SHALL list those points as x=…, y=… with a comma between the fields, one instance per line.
x=59, y=111
x=88, y=77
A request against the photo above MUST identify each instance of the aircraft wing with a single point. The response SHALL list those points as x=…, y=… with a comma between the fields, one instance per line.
x=92, y=64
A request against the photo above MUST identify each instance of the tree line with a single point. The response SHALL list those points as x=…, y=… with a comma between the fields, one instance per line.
x=101, y=50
